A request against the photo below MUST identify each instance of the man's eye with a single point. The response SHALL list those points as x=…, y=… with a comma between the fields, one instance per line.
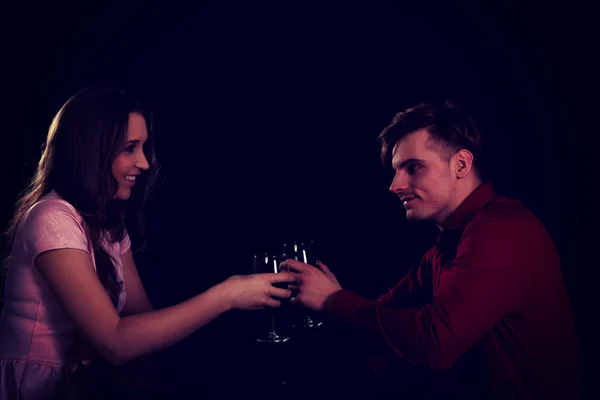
x=413, y=168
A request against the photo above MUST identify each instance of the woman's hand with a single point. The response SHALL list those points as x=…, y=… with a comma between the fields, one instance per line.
x=255, y=292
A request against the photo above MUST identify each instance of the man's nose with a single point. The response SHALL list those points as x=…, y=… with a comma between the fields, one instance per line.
x=399, y=183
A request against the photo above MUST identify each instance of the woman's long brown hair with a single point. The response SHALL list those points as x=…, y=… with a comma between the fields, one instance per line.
x=85, y=137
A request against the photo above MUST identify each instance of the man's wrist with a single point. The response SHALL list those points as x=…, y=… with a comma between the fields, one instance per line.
x=329, y=303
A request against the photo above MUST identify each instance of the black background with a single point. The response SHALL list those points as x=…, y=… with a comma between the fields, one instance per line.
x=266, y=126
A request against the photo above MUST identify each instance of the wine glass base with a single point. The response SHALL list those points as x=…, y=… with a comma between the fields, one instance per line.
x=308, y=323
x=273, y=338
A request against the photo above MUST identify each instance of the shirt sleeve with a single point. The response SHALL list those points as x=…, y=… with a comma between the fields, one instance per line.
x=52, y=225
x=414, y=289
x=487, y=280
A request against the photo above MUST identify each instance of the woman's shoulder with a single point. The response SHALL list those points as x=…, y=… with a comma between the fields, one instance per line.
x=52, y=217
x=52, y=207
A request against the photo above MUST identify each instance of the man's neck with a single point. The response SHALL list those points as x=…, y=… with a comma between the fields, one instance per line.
x=462, y=193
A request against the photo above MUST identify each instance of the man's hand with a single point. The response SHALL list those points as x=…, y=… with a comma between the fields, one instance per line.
x=314, y=285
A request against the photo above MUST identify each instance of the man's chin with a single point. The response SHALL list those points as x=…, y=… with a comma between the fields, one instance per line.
x=413, y=216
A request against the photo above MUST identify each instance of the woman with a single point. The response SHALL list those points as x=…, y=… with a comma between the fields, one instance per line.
x=72, y=277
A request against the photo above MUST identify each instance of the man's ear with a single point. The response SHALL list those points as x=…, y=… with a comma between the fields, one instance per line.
x=462, y=163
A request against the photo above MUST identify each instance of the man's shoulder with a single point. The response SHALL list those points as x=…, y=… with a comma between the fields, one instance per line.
x=509, y=212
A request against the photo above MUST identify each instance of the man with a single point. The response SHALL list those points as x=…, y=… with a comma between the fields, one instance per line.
x=487, y=302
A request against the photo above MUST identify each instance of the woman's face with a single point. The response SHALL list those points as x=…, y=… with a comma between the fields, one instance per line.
x=131, y=161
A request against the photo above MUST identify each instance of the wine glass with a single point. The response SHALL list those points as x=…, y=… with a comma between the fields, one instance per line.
x=305, y=253
x=269, y=263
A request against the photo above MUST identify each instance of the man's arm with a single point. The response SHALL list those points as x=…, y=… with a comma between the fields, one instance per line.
x=487, y=281
x=415, y=288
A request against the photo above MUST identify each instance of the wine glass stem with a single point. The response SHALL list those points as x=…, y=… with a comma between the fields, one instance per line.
x=272, y=324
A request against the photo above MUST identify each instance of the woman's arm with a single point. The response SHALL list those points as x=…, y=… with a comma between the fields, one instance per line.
x=137, y=300
x=70, y=275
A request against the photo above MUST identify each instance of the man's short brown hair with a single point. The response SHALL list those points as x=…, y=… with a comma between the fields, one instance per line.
x=450, y=128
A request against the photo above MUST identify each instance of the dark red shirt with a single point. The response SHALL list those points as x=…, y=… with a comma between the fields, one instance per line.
x=488, y=302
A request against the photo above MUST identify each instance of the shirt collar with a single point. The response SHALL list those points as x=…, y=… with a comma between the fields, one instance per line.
x=465, y=212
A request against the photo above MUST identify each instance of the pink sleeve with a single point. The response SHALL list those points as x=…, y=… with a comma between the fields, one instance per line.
x=125, y=243
x=52, y=224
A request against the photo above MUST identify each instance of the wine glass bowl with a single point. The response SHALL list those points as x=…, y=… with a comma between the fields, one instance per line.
x=305, y=253
x=270, y=263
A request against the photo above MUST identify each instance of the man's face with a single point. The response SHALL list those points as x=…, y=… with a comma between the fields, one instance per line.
x=423, y=178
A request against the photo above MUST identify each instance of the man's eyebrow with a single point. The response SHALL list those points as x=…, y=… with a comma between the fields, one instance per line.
x=406, y=162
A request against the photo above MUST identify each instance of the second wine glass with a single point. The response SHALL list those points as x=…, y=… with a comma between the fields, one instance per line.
x=305, y=252
x=269, y=263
